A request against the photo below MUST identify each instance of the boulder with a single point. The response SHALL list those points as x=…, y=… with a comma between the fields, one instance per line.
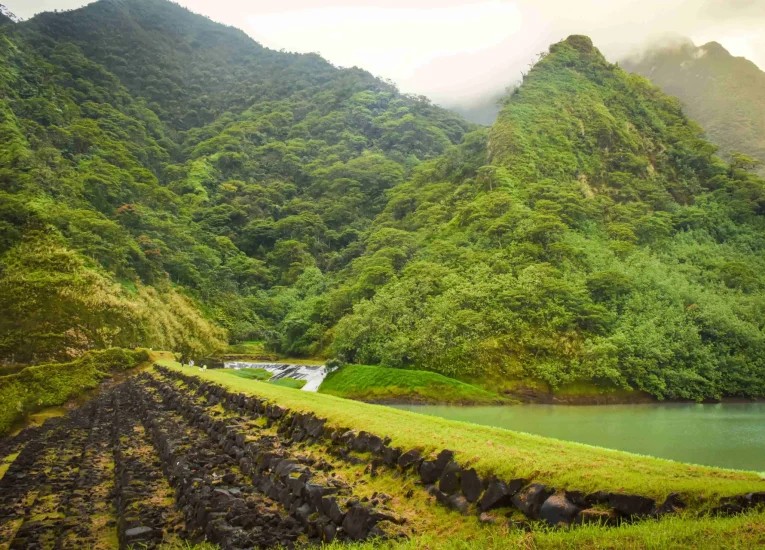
x=530, y=500
x=471, y=485
x=135, y=534
x=391, y=455
x=458, y=503
x=631, y=505
x=499, y=494
x=356, y=523
x=332, y=509
x=558, y=511
x=598, y=497
x=671, y=505
x=450, y=478
x=429, y=472
x=408, y=459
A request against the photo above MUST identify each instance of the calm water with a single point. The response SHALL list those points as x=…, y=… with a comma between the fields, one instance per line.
x=730, y=435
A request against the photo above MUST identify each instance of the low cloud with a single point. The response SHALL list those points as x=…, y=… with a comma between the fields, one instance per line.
x=460, y=51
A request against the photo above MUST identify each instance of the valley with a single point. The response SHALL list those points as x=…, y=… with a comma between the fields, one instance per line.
x=544, y=333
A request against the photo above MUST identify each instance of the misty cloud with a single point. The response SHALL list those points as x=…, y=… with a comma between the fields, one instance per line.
x=458, y=51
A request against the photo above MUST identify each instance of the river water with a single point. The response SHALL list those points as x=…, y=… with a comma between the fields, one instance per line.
x=729, y=435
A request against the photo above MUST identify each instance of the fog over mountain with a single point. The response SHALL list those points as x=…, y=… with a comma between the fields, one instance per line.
x=459, y=52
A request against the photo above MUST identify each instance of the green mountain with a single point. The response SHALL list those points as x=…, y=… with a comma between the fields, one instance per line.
x=722, y=92
x=589, y=235
x=162, y=172
x=168, y=182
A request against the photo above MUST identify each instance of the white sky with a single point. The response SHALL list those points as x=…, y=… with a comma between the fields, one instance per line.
x=457, y=50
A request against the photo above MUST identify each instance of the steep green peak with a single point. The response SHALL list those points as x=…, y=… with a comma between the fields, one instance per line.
x=578, y=118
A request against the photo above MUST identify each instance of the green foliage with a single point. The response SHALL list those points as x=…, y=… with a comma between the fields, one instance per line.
x=55, y=383
x=593, y=237
x=167, y=182
x=148, y=148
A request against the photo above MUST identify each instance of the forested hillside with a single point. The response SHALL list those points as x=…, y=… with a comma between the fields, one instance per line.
x=160, y=172
x=168, y=182
x=721, y=92
x=590, y=234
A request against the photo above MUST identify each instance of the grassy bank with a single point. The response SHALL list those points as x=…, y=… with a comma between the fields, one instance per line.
x=736, y=533
x=511, y=454
x=378, y=384
x=53, y=384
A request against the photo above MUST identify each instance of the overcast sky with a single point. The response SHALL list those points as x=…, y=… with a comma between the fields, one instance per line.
x=457, y=50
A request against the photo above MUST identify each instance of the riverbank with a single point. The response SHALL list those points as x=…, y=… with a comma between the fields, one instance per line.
x=495, y=451
x=493, y=454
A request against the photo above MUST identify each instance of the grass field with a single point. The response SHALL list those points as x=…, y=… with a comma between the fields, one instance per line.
x=289, y=383
x=510, y=454
x=249, y=374
x=378, y=384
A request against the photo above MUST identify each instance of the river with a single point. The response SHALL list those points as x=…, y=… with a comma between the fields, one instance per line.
x=729, y=435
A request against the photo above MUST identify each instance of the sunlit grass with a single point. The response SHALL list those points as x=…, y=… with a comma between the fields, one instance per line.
x=511, y=454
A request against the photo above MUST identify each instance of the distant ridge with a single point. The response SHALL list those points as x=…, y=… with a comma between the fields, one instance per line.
x=723, y=93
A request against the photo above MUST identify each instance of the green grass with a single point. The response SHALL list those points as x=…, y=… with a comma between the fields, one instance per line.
x=288, y=382
x=249, y=374
x=735, y=533
x=509, y=454
x=378, y=384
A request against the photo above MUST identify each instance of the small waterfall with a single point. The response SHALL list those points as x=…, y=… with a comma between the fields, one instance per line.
x=313, y=375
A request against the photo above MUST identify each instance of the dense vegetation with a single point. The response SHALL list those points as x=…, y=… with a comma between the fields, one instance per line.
x=161, y=171
x=591, y=234
x=721, y=92
x=170, y=183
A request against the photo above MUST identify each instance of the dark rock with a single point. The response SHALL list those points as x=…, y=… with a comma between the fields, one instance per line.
x=356, y=523
x=557, y=510
x=332, y=509
x=671, y=505
x=304, y=512
x=136, y=533
x=471, y=485
x=458, y=503
x=598, y=497
x=329, y=533
x=577, y=498
x=429, y=472
x=408, y=458
x=498, y=495
x=444, y=458
x=728, y=509
x=450, y=478
x=391, y=455
x=631, y=505
x=441, y=497
x=375, y=444
x=530, y=500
